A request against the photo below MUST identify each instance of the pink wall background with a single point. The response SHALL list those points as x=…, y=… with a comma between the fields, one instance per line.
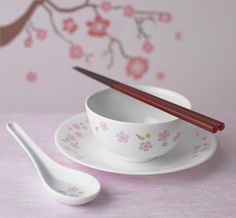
x=191, y=49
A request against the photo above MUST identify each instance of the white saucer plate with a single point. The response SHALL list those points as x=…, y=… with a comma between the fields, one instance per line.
x=75, y=140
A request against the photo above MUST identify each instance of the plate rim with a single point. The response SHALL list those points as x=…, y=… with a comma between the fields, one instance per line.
x=172, y=170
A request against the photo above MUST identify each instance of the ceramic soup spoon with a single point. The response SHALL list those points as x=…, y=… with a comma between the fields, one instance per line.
x=66, y=185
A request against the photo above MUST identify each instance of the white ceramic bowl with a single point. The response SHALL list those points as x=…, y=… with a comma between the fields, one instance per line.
x=132, y=129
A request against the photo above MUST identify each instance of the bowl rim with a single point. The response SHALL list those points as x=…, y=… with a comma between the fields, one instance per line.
x=189, y=106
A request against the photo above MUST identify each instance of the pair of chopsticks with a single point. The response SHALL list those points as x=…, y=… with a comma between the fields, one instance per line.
x=183, y=113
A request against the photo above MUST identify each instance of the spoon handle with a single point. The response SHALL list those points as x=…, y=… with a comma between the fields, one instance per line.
x=37, y=156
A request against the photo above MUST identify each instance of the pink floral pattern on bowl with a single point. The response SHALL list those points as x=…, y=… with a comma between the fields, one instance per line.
x=122, y=137
x=177, y=137
x=145, y=144
x=163, y=136
x=104, y=126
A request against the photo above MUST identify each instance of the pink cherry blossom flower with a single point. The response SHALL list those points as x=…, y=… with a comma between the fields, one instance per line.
x=76, y=126
x=28, y=42
x=41, y=34
x=178, y=36
x=31, y=77
x=163, y=135
x=103, y=126
x=177, y=136
x=160, y=75
x=122, y=137
x=76, y=52
x=147, y=47
x=106, y=6
x=78, y=134
x=145, y=146
x=98, y=27
x=69, y=25
x=73, y=145
x=72, y=190
x=70, y=137
x=136, y=67
x=204, y=138
x=165, y=17
x=128, y=11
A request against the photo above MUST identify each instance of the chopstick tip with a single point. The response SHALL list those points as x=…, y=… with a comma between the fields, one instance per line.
x=75, y=67
x=222, y=126
x=214, y=129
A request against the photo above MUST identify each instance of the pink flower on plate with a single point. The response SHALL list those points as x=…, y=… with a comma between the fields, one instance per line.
x=41, y=34
x=98, y=27
x=177, y=136
x=147, y=47
x=31, y=77
x=76, y=126
x=122, y=137
x=164, y=17
x=97, y=129
x=106, y=6
x=204, y=138
x=136, y=67
x=163, y=135
x=145, y=146
x=69, y=25
x=76, y=52
x=128, y=10
x=103, y=126
x=28, y=42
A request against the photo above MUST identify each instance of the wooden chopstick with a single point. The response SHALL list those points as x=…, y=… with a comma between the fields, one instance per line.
x=188, y=115
x=218, y=124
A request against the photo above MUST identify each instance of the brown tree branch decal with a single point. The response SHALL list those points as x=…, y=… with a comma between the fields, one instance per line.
x=8, y=33
x=97, y=27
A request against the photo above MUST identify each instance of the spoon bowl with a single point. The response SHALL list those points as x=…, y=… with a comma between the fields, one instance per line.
x=66, y=185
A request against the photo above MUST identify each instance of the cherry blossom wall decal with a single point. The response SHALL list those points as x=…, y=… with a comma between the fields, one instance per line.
x=69, y=25
x=160, y=75
x=41, y=34
x=97, y=26
x=136, y=67
x=31, y=77
x=178, y=36
x=34, y=32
